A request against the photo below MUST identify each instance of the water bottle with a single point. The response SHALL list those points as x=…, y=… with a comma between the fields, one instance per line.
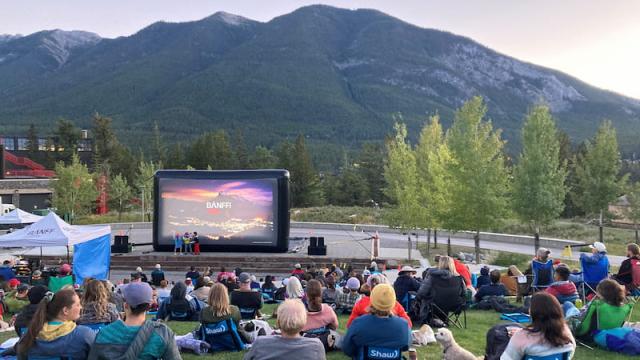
x=579, y=303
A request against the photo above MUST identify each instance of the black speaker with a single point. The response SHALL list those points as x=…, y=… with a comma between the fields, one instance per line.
x=322, y=251
x=313, y=242
x=321, y=241
x=121, y=240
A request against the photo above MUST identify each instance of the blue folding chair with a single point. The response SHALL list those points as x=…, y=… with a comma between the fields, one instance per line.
x=379, y=353
x=248, y=314
x=560, y=356
x=221, y=336
x=593, y=273
x=542, y=274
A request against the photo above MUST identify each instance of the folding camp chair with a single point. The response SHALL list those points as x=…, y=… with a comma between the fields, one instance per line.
x=542, y=274
x=379, y=353
x=452, y=316
x=222, y=336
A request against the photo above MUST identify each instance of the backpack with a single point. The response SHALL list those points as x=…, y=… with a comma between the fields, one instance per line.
x=497, y=340
x=133, y=349
x=321, y=334
x=279, y=294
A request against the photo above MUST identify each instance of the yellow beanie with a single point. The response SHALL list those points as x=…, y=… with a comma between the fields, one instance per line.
x=383, y=297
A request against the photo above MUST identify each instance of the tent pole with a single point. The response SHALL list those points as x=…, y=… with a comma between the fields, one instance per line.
x=67, y=254
x=40, y=257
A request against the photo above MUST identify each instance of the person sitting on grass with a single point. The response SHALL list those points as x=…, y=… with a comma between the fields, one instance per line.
x=406, y=282
x=37, y=279
x=17, y=299
x=292, y=317
x=607, y=311
x=53, y=332
x=295, y=290
x=157, y=275
x=563, y=289
x=247, y=300
x=330, y=293
x=219, y=309
x=495, y=288
x=35, y=295
x=380, y=328
x=483, y=279
x=362, y=306
x=201, y=290
x=135, y=337
x=348, y=296
x=179, y=306
x=510, y=279
x=548, y=334
x=63, y=279
x=319, y=315
x=96, y=307
x=628, y=267
x=163, y=291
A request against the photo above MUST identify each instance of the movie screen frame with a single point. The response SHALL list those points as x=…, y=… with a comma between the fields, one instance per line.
x=280, y=199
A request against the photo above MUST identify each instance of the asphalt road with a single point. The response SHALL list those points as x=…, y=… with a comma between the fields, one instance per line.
x=349, y=239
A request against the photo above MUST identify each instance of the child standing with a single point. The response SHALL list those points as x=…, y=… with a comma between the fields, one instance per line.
x=196, y=243
x=187, y=243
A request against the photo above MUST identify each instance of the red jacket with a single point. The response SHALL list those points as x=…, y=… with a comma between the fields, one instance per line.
x=362, y=308
x=464, y=272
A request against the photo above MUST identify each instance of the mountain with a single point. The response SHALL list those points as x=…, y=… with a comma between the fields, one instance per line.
x=336, y=75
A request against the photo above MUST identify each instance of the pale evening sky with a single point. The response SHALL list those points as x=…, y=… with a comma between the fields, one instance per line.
x=596, y=41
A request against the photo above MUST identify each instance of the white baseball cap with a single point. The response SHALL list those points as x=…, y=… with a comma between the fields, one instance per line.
x=598, y=246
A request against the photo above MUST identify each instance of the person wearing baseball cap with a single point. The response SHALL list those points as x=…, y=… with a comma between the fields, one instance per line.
x=348, y=296
x=405, y=283
x=595, y=266
x=248, y=301
x=135, y=336
x=366, y=330
x=35, y=295
x=298, y=271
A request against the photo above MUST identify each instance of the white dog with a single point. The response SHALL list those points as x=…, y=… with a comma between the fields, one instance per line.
x=450, y=349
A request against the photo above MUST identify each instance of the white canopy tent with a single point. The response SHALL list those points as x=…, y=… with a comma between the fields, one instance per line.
x=51, y=230
x=91, y=243
x=18, y=216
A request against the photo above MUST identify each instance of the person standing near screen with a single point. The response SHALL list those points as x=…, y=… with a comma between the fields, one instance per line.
x=177, y=243
x=187, y=243
x=196, y=243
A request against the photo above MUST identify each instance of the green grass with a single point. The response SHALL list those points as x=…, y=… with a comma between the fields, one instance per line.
x=473, y=338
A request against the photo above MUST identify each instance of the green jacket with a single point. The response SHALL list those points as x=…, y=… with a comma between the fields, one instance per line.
x=602, y=316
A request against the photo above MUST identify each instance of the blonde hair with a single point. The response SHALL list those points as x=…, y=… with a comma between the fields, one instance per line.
x=446, y=263
x=96, y=292
x=292, y=316
x=294, y=288
x=219, y=300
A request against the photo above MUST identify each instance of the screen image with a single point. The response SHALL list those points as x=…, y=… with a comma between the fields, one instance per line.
x=222, y=212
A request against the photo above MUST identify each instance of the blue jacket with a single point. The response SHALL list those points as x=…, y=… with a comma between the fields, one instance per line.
x=75, y=345
x=404, y=284
x=164, y=310
x=370, y=330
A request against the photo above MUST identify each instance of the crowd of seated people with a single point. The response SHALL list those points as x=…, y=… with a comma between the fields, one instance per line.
x=100, y=321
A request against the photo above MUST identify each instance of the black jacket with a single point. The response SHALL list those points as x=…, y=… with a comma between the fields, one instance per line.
x=404, y=284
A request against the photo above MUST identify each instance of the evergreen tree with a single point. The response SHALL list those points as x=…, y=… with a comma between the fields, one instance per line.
x=262, y=158
x=597, y=169
x=306, y=189
x=120, y=194
x=476, y=176
x=212, y=148
x=349, y=189
x=371, y=168
x=74, y=193
x=159, y=150
x=176, y=157
x=67, y=137
x=105, y=144
x=240, y=153
x=400, y=174
x=539, y=178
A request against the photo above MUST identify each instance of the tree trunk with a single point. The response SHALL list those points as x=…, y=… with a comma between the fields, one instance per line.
x=637, y=241
x=601, y=229
x=435, y=238
x=536, y=238
x=409, y=254
x=449, y=245
x=476, y=240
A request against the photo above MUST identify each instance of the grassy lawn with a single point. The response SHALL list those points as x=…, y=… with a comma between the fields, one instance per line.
x=473, y=338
